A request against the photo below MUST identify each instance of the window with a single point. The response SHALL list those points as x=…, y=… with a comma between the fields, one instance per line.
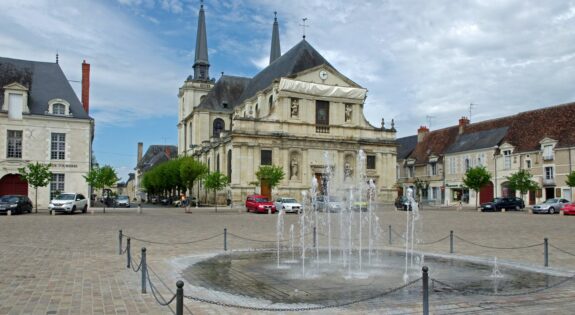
x=507, y=159
x=271, y=101
x=548, y=152
x=14, y=149
x=548, y=172
x=370, y=162
x=218, y=163
x=432, y=169
x=480, y=160
x=59, y=109
x=266, y=157
x=322, y=116
x=229, y=166
x=452, y=166
x=409, y=171
x=15, y=106
x=434, y=193
x=528, y=164
x=218, y=127
x=58, y=147
x=397, y=172
x=467, y=164
x=56, y=185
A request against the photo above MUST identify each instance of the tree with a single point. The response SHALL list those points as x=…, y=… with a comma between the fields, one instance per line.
x=102, y=177
x=190, y=171
x=420, y=186
x=476, y=178
x=270, y=174
x=571, y=179
x=522, y=181
x=37, y=175
x=216, y=181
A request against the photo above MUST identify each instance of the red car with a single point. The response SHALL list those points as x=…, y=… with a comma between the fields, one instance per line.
x=569, y=209
x=259, y=203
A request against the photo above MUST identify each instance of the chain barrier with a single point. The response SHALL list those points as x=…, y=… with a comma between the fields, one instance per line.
x=397, y=234
x=434, y=242
x=470, y=292
x=132, y=263
x=174, y=243
x=301, y=309
x=562, y=250
x=496, y=247
x=125, y=250
x=154, y=290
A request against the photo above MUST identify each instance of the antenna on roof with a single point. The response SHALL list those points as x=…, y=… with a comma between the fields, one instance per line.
x=471, y=105
x=429, y=118
x=56, y=57
x=303, y=26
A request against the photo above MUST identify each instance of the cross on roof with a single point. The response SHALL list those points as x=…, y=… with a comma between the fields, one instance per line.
x=303, y=26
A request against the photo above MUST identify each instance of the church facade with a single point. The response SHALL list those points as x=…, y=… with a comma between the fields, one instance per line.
x=298, y=113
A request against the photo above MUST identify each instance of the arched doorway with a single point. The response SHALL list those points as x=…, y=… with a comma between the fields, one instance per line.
x=506, y=191
x=12, y=184
x=486, y=193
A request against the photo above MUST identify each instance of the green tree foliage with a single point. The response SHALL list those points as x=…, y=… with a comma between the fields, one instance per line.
x=476, y=178
x=420, y=186
x=190, y=171
x=270, y=174
x=216, y=181
x=37, y=175
x=102, y=177
x=522, y=181
x=570, y=179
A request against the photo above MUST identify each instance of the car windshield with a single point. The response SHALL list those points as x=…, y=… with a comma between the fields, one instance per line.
x=262, y=199
x=9, y=199
x=122, y=197
x=65, y=197
x=289, y=201
x=553, y=200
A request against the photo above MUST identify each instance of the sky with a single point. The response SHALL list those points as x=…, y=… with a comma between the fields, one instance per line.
x=422, y=62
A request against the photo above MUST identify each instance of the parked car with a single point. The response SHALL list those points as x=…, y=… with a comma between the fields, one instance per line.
x=18, y=204
x=289, y=205
x=154, y=199
x=259, y=203
x=402, y=203
x=329, y=203
x=569, y=209
x=123, y=201
x=550, y=206
x=69, y=203
x=165, y=201
x=511, y=203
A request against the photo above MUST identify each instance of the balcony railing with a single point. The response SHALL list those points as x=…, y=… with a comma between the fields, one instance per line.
x=321, y=129
x=548, y=181
x=548, y=157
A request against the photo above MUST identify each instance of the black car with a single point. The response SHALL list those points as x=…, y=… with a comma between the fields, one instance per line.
x=511, y=203
x=402, y=203
x=18, y=204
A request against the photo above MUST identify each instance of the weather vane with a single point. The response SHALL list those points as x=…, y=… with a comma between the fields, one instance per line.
x=303, y=26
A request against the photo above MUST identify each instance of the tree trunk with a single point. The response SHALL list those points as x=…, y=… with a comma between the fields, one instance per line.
x=104, y=200
x=215, y=200
x=36, y=201
x=476, y=198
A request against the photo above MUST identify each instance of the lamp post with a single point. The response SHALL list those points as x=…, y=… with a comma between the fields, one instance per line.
x=192, y=147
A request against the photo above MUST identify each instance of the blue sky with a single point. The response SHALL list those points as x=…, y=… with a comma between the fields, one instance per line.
x=422, y=61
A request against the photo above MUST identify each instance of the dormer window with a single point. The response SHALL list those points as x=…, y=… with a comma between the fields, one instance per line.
x=15, y=100
x=58, y=107
x=548, y=152
x=507, y=159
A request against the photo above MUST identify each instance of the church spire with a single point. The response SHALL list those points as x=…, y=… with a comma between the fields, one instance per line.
x=201, y=63
x=275, y=51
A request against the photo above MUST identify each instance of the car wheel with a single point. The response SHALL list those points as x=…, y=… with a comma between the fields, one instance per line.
x=73, y=210
x=247, y=209
x=517, y=208
x=85, y=209
x=551, y=210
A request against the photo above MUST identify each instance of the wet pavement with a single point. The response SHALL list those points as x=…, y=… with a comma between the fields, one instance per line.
x=69, y=264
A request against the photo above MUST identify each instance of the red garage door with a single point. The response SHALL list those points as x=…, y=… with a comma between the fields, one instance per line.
x=12, y=184
x=486, y=193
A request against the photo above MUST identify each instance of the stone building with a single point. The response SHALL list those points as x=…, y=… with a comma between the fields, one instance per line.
x=42, y=120
x=299, y=113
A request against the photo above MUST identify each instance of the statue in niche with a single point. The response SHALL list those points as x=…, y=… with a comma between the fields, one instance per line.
x=347, y=171
x=294, y=169
x=348, y=112
x=294, y=107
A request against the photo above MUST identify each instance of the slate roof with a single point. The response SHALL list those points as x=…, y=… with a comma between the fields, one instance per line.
x=299, y=58
x=478, y=140
x=157, y=154
x=45, y=81
x=226, y=90
x=405, y=146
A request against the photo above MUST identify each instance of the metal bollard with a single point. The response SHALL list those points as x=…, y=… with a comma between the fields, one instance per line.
x=144, y=270
x=425, y=279
x=451, y=242
x=120, y=243
x=314, y=237
x=225, y=239
x=389, y=227
x=139, y=208
x=546, y=251
x=9, y=213
x=128, y=253
x=180, y=297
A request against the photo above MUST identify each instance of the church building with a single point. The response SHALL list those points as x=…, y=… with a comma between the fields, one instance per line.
x=299, y=113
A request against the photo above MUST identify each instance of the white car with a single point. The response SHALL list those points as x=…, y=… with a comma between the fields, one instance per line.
x=287, y=205
x=69, y=203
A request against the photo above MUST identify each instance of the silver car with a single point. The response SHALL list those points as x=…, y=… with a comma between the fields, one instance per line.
x=288, y=205
x=329, y=203
x=550, y=206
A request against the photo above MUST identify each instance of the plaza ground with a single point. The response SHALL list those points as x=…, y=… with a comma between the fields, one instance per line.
x=69, y=264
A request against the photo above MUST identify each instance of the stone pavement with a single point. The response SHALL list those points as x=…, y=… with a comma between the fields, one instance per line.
x=69, y=264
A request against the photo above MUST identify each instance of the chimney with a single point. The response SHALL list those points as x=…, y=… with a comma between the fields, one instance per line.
x=140, y=151
x=421, y=133
x=86, y=86
x=168, y=152
x=463, y=121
